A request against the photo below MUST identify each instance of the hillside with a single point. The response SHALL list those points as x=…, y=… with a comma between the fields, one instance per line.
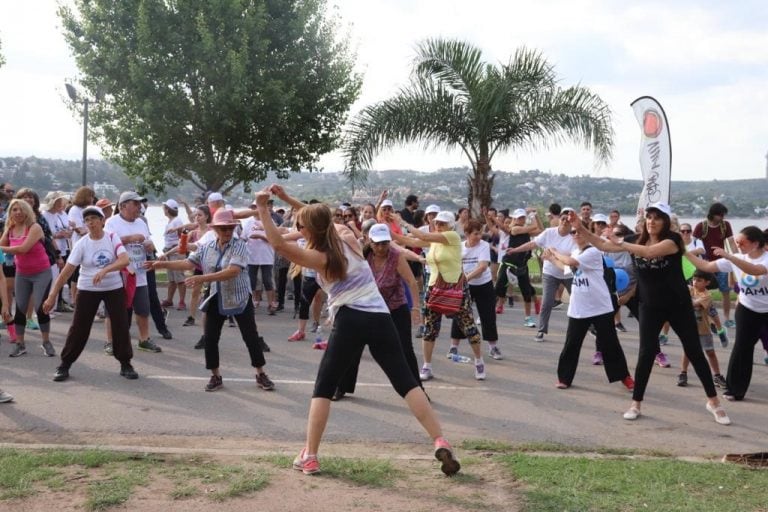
x=446, y=187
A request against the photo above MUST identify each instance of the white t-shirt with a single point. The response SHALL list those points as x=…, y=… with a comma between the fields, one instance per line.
x=695, y=244
x=58, y=222
x=172, y=239
x=503, y=245
x=471, y=258
x=136, y=251
x=589, y=291
x=94, y=255
x=753, y=290
x=76, y=218
x=551, y=239
x=260, y=252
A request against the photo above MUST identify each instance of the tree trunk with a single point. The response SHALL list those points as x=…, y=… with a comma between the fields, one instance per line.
x=480, y=187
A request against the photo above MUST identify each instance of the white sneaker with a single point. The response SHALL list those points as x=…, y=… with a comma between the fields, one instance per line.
x=480, y=371
x=426, y=374
x=495, y=353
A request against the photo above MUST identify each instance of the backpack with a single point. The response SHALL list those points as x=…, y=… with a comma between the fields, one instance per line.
x=47, y=241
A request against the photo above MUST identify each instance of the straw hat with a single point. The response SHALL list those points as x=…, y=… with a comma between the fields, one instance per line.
x=52, y=197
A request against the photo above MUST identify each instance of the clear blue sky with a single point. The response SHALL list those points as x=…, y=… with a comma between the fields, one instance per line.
x=705, y=61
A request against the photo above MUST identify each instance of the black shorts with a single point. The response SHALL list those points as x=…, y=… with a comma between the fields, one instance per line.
x=9, y=270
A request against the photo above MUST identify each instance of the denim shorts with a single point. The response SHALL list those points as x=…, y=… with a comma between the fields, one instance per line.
x=722, y=281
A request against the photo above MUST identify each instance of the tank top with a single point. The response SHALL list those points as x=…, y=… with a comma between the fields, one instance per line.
x=33, y=261
x=388, y=280
x=357, y=290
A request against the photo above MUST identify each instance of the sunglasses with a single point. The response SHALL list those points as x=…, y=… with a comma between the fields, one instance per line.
x=349, y=216
x=686, y=231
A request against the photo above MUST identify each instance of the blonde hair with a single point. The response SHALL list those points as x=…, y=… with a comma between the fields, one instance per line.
x=26, y=208
x=318, y=220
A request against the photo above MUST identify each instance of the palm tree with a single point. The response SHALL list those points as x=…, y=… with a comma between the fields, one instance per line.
x=454, y=99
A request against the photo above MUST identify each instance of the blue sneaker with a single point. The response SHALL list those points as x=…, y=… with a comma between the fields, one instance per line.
x=32, y=324
x=452, y=352
x=723, y=334
x=730, y=324
x=663, y=339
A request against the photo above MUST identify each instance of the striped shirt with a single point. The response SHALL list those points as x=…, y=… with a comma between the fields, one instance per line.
x=233, y=293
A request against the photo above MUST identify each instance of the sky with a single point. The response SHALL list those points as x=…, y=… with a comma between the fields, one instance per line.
x=705, y=61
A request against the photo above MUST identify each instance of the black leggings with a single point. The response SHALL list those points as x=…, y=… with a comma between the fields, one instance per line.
x=523, y=281
x=309, y=289
x=748, y=326
x=607, y=343
x=484, y=297
x=652, y=315
x=402, y=319
x=352, y=330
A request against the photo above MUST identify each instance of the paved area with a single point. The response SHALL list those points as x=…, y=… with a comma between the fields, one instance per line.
x=518, y=403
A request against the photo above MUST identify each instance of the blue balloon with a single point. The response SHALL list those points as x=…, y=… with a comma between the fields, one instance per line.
x=622, y=280
x=609, y=262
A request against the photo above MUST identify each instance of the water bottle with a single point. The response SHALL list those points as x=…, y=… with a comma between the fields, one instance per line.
x=458, y=358
x=183, y=237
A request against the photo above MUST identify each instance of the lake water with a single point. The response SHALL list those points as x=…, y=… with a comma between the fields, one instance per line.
x=157, y=222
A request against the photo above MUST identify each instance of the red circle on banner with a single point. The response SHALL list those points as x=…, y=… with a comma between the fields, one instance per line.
x=652, y=123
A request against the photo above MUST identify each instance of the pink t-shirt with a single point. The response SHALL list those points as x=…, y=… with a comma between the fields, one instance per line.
x=33, y=261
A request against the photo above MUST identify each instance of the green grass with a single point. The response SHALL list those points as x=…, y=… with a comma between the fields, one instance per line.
x=500, y=447
x=369, y=472
x=229, y=481
x=118, y=486
x=577, y=483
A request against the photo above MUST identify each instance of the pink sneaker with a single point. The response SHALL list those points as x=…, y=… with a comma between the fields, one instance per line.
x=661, y=360
x=181, y=307
x=307, y=464
x=444, y=453
x=12, y=332
x=297, y=336
x=167, y=303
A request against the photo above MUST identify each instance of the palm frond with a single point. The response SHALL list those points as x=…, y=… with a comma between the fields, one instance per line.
x=457, y=65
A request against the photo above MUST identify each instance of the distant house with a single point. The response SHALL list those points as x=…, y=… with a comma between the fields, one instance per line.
x=105, y=189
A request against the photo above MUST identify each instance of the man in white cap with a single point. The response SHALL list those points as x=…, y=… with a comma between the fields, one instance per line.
x=215, y=201
x=134, y=234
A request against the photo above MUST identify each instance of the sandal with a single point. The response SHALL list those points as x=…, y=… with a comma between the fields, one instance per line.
x=719, y=413
x=632, y=413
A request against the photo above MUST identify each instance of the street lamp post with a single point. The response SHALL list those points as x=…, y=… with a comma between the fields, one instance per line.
x=72, y=92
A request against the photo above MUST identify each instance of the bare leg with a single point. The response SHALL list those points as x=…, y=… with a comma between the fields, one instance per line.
x=427, y=348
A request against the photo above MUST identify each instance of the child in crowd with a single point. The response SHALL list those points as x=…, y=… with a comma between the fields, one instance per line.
x=702, y=305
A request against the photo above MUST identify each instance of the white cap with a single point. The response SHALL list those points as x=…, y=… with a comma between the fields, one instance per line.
x=379, y=233
x=599, y=217
x=386, y=202
x=566, y=210
x=172, y=204
x=130, y=196
x=518, y=213
x=446, y=216
x=662, y=207
x=433, y=208
x=215, y=196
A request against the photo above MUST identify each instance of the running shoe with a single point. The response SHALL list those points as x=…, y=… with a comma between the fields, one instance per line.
x=628, y=382
x=529, y=322
x=108, y=349
x=307, y=464
x=32, y=324
x=723, y=335
x=297, y=336
x=264, y=382
x=451, y=352
x=561, y=385
x=181, y=306
x=167, y=304
x=444, y=453
x=663, y=339
x=661, y=360
x=48, y=349
x=426, y=374
x=149, y=346
x=620, y=327
x=200, y=343
x=495, y=353
x=682, y=379
x=215, y=384
x=19, y=349
x=189, y=321
x=539, y=336
x=315, y=327
x=61, y=374
x=127, y=371
x=597, y=358
x=557, y=304
x=420, y=332
x=500, y=309
x=5, y=397
x=730, y=324
x=480, y=371
x=719, y=381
